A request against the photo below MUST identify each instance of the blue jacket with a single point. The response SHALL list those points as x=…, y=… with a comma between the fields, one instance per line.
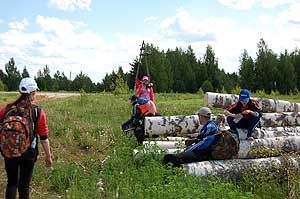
x=206, y=136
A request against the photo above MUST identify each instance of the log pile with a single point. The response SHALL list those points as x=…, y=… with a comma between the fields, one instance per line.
x=279, y=132
x=220, y=100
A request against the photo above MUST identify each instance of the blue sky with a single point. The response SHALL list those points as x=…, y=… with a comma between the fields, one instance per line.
x=98, y=36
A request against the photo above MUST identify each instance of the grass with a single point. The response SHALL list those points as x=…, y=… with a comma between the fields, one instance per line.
x=89, y=147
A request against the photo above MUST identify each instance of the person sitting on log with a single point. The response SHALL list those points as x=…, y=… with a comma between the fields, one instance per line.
x=144, y=88
x=201, y=150
x=136, y=112
x=244, y=114
x=147, y=109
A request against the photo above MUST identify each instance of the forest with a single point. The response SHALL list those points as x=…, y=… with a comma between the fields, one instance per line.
x=178, y=71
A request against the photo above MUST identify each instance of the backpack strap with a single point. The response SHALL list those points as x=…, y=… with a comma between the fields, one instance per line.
x=36, y=111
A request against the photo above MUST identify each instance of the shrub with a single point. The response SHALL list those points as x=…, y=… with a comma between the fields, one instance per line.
x=207, y=86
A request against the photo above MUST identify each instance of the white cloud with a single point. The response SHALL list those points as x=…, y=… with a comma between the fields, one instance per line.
x=275, y=3
x=248, y=4
x=265, y=19
x=150, y=18
x=72, y=4
x=19, y=25
x=238, y=4
x=230, y=37
x=183, y=27
x=66, y=45
x=63, y=46
x=291, y=15
x=1, y=21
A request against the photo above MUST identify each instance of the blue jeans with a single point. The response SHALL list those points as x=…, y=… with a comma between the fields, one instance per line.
x=249, y=123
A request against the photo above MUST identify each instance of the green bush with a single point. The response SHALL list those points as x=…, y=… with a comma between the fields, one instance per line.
x=207, y=86
x=3, y=87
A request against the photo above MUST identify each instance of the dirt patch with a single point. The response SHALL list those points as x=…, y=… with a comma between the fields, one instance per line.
x=49, y=95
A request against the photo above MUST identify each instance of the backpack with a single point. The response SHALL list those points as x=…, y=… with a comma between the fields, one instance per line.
x=18, y=135
x=225, y=146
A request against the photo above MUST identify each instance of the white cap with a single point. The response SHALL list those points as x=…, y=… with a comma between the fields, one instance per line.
x=27, y=85
x=204, y=111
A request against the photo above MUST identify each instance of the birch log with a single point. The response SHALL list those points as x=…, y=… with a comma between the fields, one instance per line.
x=235, y=168
x=221, y=100
x=251, y=149
x=247, y=149
x=280, y=119
x=183, y=125
x=270, y=132
x=176, y=125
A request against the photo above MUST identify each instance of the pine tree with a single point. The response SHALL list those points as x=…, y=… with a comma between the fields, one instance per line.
x=295, y=56
x=211, y=65
x=266, y=68
x=13, y=75
x=286, y=80
x=247, y=71
x=25, y=73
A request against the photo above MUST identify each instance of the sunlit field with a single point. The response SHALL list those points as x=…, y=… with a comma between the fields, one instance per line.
x=89, y=148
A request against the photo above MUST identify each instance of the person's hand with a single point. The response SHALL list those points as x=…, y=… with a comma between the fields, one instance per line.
x=48, y=161
x=250, y=138
x=245, y=112
x=235, y=115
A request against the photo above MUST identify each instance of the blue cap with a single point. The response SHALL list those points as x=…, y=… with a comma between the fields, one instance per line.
x=142, y=100
x=244, y=95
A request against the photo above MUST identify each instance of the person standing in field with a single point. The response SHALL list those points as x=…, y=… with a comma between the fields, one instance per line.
x=22, y=122
x=144, y=88
x=243, y=114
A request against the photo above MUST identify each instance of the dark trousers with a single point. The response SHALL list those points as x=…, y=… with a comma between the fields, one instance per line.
x=126, y=125
x=19, y=173
x=188, y=157
x=249, y=124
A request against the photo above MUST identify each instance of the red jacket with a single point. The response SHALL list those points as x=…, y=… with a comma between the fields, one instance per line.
x=42, y=127
x=143, y=90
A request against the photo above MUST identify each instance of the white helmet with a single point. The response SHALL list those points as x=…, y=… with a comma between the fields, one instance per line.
x=27, y=85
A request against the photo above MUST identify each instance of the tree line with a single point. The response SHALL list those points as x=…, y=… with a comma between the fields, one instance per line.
x=177, y=70
x=9, y=80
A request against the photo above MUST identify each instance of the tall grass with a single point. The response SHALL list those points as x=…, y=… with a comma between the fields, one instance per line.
x=89, y=147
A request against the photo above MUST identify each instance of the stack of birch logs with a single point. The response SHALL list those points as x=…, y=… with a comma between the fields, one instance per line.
x=279, y=132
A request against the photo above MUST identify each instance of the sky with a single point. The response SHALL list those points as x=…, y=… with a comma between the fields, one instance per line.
x=97, y=36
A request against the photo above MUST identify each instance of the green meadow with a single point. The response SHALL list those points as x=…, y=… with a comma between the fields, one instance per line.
x=89, y=148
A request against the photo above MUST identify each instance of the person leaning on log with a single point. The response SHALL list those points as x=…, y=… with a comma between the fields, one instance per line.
x=243, y=114
x=201, y=150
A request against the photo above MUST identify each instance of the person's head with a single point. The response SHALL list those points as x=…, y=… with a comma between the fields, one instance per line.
x=244, y=96
x=204, y=115
x=133, y=99
x=145, y=79
x=28, y=88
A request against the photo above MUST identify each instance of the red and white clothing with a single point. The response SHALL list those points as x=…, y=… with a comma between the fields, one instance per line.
x=144, y=91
